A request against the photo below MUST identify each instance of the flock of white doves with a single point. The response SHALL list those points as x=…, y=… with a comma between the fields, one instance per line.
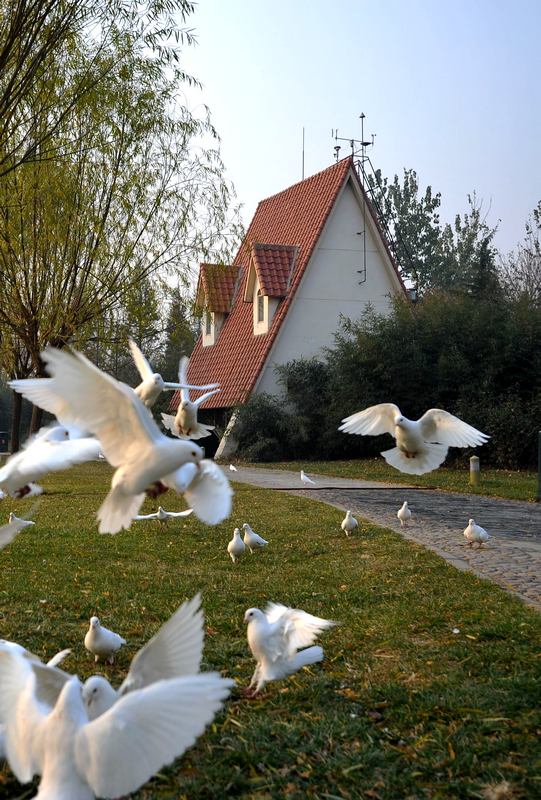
x=88, y=740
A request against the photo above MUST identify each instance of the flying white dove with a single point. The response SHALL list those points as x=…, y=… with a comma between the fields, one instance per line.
x=12, y=529
x=305, y=479
x=112, y=755
x=275, y=637
x=184, y=424
x=152, y=383
x=101, y=642
x=349, y=523
x=46, y=689
x=233, y=468
x=162, y=516
x=206, y=490
x=129, y=437
x=252, y=540
x=236, y=546
x=52, y=449
x=475, y=534
x=173, y=652
x=404, y=514
x=421, y=444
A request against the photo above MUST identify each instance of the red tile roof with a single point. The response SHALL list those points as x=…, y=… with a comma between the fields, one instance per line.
x=274, y=264
x=216, y=286
x=294, y=218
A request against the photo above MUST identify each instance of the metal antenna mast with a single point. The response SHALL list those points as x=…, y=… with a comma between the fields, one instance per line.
x=358, y=152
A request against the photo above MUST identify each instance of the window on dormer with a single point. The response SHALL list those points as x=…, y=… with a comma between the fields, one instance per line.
x=208, y=323
x=260, y=308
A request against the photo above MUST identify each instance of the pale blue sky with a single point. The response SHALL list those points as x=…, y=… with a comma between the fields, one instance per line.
x=451, y=88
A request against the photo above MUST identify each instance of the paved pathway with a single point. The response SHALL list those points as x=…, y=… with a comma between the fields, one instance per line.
x=512, y=557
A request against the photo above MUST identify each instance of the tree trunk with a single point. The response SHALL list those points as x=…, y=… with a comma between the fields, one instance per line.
x=15, y=421
x=37, y=414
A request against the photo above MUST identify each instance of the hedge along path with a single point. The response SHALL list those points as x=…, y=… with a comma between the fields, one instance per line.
x=512, y=557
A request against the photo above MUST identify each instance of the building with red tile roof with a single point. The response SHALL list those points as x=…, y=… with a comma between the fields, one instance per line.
x=313, y=253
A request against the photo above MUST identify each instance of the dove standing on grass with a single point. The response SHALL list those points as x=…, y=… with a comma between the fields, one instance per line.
x=162, y=516
x=152, y=383
x=236, y=546
x=252, y=540
x=233, y=468
x=404, y=514
x=173, y=652
x=101, y=642
x=184, y=424
x=422, y=444
x=305, y=479
x=475, y=534
x=275, y=637
x=129, y=437
x=349, y=523
x=113, y=755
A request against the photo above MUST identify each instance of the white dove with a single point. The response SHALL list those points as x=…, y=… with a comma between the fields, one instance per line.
x=252, y=540
x=52, y=449
x=236, y=546
x=306, y=479
x=475, y=534
x=184, y=424
x=101, y=642
x=275, y=636
x=349, y=523
x=47, y=691
x=173, y=652
x=421, y=444
x=206, y=490
x=162, y=516
x=14, y=526
x=404, y=514
x=112, y=755
x=129, y=437
x=233, y=468
x=152, y=383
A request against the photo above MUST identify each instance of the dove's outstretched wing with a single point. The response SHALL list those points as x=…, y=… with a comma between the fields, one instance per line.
x=185, y=513
x=205, y=397
x=9, y=531
x=372, y=421
x=41, y=392
x=209, y=494
x=99, y=403
x=444, y=428
x=141, y=362
x=295, y=627
x=144, y=730
x=22, y=715
x=147, y=516
x=176, y=649
x=183, y=378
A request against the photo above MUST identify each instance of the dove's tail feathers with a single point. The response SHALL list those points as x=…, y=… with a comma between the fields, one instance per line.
x=168, y=421
x=35, y=490
x=118, y=509
x=425, y=461
x=59, y=657
x=310, y=655
x=200, y=431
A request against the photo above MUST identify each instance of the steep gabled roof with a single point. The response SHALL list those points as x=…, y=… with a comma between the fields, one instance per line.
x=216, y=287
x=293, y=218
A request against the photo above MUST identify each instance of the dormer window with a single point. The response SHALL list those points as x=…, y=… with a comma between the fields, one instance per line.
x=260, y=308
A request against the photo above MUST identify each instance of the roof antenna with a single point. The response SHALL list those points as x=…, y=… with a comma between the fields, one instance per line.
x=303, y=152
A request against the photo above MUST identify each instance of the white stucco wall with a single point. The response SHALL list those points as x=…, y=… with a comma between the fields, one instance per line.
x=330, y=286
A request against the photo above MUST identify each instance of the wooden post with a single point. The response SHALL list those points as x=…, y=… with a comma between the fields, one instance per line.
x=474, y=471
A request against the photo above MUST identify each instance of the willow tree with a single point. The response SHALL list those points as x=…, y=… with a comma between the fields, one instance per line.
x=124, y=191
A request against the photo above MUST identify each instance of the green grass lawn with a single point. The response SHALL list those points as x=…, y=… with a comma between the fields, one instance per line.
x=510, y=484
x=401, y=708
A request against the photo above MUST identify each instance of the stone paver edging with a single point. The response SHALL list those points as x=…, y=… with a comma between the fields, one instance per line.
x=512, y=557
